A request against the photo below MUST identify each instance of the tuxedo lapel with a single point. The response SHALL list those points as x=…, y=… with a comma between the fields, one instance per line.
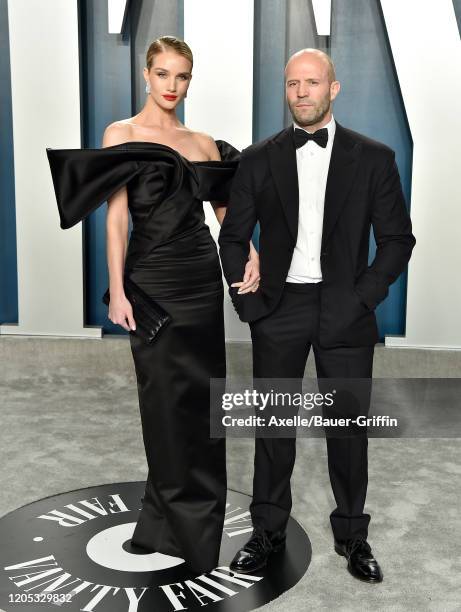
x=341, y=174
x=282, y=160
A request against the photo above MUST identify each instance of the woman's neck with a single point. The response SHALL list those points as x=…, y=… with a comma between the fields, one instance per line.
x=155, y=117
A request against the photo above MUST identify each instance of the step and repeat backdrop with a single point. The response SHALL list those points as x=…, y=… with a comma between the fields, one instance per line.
x=69, y=68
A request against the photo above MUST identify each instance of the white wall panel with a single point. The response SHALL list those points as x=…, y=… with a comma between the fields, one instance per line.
x=220, y=97
x=46, y=113
x=425, y=44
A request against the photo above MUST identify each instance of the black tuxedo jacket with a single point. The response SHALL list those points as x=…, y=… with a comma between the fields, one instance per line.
x=363, y=189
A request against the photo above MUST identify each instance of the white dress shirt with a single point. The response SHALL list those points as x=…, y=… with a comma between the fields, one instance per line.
x=313, y=162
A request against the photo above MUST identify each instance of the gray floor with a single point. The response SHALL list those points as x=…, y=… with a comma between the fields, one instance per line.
x=69, y=419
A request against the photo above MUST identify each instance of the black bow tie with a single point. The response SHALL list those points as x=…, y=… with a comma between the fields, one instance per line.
x=320, y=137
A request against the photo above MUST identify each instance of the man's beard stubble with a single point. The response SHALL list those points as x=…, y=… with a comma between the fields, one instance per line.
x=319, y=113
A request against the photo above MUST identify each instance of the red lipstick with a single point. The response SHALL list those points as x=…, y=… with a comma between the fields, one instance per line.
x=169, y=97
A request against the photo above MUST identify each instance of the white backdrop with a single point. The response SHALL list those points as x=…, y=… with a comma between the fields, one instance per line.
x=223, y=58
x=425, y=43
x=45, y=93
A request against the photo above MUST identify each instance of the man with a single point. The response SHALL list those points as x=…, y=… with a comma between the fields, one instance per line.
x=315, y=188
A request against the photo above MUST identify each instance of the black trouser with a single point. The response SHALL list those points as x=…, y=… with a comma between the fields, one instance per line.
x=281, y=345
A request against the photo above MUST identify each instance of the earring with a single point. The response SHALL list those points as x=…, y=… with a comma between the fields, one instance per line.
x=147, y=87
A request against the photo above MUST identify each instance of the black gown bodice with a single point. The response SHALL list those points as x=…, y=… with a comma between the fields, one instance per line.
x=165, y=190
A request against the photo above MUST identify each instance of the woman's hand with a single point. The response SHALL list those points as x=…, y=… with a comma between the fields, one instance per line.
x=251, y=276
x=121, y=311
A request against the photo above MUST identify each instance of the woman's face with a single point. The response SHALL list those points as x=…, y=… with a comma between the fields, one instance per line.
x=169, y=78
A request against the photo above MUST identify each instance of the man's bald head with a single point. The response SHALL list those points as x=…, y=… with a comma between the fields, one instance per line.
x=315, y=55
x=311, y=87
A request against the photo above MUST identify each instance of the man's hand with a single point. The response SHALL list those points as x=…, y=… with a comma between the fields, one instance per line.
x=251, y=277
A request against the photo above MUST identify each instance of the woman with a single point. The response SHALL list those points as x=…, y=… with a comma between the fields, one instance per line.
x=161, y=172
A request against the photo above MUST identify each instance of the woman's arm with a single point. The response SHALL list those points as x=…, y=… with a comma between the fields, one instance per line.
x=120, y=310
x=251, y=275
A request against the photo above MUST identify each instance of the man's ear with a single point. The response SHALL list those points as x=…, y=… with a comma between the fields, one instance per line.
x=335, y=88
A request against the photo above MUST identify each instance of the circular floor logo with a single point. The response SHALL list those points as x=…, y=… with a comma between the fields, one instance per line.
x=73, y=552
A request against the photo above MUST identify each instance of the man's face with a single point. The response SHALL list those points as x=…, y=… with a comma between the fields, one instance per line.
x=308, y=90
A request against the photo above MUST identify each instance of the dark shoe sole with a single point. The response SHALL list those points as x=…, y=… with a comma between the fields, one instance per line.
x=370, y=580
x=275, y=549
x=240, y=570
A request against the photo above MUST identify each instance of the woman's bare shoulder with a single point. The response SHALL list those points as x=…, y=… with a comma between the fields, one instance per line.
x=116, y=133
x=208, y=145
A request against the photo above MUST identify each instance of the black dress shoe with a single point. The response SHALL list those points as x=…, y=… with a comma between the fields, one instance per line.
x=254, y=555
x=360, y=561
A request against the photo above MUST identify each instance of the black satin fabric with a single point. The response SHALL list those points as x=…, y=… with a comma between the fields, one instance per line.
x=173, y=258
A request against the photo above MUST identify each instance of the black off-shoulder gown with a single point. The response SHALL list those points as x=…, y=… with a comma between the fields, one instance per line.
x=172, y=256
